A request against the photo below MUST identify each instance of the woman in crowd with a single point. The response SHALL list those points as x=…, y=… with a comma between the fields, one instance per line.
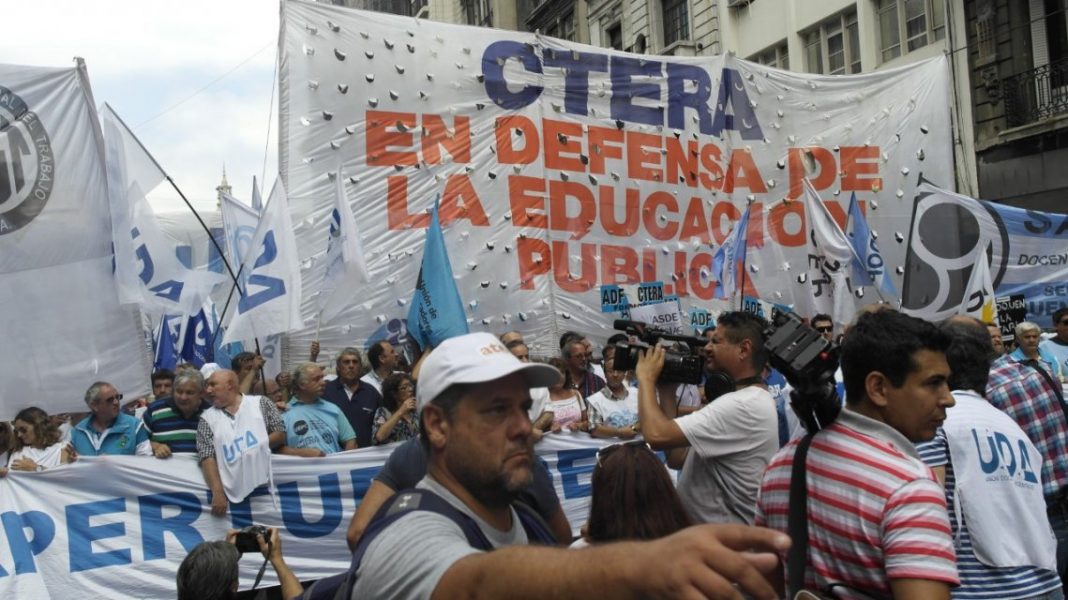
x=37, y=442
x=633, y=497
x=396, y=420
x=566, y=403
x=614, y=409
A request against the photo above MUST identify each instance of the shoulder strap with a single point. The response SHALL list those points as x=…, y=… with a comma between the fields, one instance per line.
x=1034, y=364
x=339, y=587
x=538, y=531
x=797, y=520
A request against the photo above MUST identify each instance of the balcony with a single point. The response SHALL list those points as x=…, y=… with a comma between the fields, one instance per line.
x=1036, y=95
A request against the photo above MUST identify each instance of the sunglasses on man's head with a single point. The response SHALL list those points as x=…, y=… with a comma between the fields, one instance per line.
x=606, y=451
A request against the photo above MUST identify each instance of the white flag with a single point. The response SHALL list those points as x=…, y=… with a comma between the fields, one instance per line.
x=829, y=260
x=147, y=270
x=239, y=224
x=346, y=267
x=270, y=293
x=978, y=301
x=61, y=327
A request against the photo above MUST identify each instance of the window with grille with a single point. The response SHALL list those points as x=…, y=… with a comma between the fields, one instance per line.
x=833, y=47
x=676, y=21
x=907, y=25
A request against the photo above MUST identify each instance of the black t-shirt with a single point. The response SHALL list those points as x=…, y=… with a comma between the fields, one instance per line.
x=407, y=465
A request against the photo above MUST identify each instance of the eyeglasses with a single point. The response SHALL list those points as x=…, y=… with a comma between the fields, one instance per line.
x=21, y=430
x=112, y=400
x=1063, y=322
x=825, y=329
x=605, y=451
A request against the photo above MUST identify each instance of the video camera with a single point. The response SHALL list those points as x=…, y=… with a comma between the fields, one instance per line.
x=681, y=365
x=808, y=361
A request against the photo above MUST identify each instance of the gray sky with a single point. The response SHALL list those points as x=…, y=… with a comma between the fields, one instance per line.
x=192, y=78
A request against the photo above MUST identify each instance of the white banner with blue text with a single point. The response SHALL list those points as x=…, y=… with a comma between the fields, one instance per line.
x=119, y=527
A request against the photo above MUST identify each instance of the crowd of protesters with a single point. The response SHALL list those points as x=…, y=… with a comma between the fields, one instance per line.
x=945, y=473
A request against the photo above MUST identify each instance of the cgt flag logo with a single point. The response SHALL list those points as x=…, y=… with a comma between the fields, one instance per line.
x=27, y=163
x=947, y=236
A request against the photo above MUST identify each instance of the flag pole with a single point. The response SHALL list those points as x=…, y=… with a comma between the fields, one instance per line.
x=175, y=186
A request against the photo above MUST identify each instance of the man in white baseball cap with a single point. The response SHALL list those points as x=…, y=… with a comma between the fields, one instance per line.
x=473, y=395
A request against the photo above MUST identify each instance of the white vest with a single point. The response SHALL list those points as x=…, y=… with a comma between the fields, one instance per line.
x=242, y=450
x=999, y=486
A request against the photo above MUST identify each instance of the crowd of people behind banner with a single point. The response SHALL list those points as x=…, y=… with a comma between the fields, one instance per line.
x=945, y=473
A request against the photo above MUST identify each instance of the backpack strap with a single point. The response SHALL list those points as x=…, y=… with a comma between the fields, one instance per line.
x=403, y=503
x=537, y=530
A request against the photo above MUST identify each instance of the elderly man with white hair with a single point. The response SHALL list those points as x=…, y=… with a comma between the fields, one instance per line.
x=1028, y=338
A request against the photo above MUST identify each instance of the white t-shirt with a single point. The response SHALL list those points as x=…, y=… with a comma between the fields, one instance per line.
x=408, y=559
x=48, y=458
x=540, y=403
x=605, y=410
x=732, y=439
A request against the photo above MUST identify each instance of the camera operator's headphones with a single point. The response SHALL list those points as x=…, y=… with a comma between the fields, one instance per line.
x=718, y=383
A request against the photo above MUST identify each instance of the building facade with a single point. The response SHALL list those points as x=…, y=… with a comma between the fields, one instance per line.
x=1018, y=57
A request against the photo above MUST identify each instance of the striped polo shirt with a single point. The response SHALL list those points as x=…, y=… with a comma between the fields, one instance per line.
x=166, y=425
x=875, y=511
x=979, y=581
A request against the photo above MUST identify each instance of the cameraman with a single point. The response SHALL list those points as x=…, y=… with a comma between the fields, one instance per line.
x=724, y=447
x=210, y=572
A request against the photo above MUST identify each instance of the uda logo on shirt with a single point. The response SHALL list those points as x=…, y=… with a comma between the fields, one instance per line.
x=241, y=444
x=1004, y=454
x=27, y=163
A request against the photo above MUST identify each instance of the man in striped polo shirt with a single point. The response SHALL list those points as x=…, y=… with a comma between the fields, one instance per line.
x=172, y=421
x=877, y=519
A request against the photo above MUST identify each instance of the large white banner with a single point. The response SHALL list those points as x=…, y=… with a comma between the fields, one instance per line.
x=119, y=527
x=564, y=167
x=61, y=326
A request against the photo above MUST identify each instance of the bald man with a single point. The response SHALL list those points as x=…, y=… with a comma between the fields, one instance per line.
x=242, y=430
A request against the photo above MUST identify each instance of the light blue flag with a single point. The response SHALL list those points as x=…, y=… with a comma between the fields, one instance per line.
x=869, y=268
x=166, y=346
x=437, y=311
x=725, y=262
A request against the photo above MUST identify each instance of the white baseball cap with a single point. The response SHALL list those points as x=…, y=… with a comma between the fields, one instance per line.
x=475, y=358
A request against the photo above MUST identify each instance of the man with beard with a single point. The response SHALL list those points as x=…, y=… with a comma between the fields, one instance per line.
x=474, y=396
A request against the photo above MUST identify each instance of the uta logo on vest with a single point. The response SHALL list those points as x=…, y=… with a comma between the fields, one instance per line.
x=234, y=450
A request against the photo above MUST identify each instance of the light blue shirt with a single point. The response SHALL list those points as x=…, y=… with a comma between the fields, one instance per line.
x=1053, y=367
x=122, y=437
x=319, y=425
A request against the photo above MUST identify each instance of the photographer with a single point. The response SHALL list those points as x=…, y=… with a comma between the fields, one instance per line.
x=210, y=571
x=724, y=447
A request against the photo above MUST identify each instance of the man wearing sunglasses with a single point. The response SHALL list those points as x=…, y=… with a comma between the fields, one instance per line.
x=724, y=447
x=108, y=430
x=474, y=397
x=823, y=324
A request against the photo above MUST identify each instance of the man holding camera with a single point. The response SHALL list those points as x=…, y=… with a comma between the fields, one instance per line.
x=724, y=447
x=474, y=398
x=875, y=515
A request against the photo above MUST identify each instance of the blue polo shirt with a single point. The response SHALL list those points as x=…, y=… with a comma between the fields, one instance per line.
x=320, y=425
x=122, y=437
